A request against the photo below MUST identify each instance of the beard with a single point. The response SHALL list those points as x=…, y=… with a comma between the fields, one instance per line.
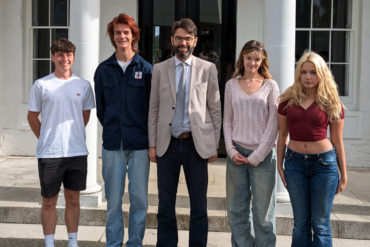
x=183, y=54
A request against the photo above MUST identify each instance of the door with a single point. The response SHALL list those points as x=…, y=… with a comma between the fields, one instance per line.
x=216, y=22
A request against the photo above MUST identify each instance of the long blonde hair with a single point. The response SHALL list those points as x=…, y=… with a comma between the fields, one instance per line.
x=327, y=97
x=250, y=46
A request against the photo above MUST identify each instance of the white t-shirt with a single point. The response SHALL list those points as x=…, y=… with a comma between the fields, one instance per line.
x=61, y=103
x=124, y=64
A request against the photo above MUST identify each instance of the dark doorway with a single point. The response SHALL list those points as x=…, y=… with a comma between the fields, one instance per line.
x=216, y=21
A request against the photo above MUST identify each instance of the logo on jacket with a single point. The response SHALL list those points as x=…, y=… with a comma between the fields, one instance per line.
x=138, y=75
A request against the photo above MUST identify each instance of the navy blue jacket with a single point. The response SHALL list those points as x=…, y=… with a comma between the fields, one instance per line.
x=122, y=103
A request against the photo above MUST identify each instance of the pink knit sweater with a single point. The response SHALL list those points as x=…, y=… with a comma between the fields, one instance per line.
x=251, y=120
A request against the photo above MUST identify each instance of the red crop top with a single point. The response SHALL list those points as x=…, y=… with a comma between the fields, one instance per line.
x=308, y=125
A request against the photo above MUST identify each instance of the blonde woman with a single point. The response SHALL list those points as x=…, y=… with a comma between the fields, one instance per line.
x=250, y=131
x=310, y=171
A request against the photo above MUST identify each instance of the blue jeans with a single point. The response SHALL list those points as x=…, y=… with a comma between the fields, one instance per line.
x=251, y=188
x=312, y=180
x=115, y=165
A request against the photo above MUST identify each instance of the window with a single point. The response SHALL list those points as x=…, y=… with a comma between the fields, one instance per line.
x=325, y=26
x=50, y=21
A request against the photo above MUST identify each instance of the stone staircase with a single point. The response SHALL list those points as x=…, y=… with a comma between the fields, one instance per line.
x=20, y=210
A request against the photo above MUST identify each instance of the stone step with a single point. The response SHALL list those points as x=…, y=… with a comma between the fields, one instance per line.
x=88, y=236
x=20, y=201
x=27, y=235
x=31, y=196
x=344, y=225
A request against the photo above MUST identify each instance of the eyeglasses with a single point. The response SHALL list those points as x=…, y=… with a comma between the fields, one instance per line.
x=179, y=39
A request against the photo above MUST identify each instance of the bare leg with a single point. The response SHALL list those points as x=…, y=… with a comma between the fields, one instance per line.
x=72, y=213
x=49, y=214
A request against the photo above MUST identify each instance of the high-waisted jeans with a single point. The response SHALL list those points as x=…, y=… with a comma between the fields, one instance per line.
x=312, y=180
x=250, y=194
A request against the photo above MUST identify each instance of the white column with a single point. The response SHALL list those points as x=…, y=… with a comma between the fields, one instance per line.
x=84, y=33
x=279, y=39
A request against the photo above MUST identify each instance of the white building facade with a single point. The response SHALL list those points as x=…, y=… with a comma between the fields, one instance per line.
x=337, y=29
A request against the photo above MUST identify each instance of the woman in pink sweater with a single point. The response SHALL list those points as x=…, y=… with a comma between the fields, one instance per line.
x=250, y=131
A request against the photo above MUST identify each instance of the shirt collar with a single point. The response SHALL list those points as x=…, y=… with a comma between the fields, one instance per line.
x=187, y=61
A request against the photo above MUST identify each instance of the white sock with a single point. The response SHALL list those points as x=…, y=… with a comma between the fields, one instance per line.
x=49, y=240
x=72, y=239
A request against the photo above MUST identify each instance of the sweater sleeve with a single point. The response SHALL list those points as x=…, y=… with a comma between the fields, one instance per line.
x=270, y=134
x=228, y=120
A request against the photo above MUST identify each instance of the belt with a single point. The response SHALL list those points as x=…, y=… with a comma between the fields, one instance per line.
x=184, y=135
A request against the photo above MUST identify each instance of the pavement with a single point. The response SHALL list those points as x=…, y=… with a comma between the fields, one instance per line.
x=20, y=209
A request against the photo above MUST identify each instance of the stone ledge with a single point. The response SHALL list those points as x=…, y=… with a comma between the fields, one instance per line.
x=343, y=225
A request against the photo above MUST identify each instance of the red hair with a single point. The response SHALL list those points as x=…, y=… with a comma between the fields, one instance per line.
x=128, y=20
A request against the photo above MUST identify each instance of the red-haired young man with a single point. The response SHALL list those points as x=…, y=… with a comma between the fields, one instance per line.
x=122, y=90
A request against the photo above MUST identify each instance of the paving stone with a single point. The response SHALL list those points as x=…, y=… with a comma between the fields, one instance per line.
x=25, y=235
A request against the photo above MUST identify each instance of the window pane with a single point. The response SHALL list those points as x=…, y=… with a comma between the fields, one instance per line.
x=303, y=13
x=340, y=72
x=301, y=43
x=59, y=13
x=163, y=16
x=320, y=43
x=209, y=32
x=41, y=43
x=340, y=46
x=58, y=33
x=209, y=43
x=40, y=68
x=210, y=11
x=40, y=12
x=164, y=12
x=342, y=13
x=321, y=13
x=162, y=48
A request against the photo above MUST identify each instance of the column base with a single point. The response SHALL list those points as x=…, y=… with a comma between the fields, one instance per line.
x=92, y=189
x=282, y=197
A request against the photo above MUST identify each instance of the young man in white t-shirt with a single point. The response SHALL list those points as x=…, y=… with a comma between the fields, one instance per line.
x=64, y=101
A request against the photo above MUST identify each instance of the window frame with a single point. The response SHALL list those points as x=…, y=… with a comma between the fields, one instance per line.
x=349, y=100
x=29, y=56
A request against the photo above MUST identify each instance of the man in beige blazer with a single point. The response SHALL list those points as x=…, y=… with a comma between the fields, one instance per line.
x=184, y=129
